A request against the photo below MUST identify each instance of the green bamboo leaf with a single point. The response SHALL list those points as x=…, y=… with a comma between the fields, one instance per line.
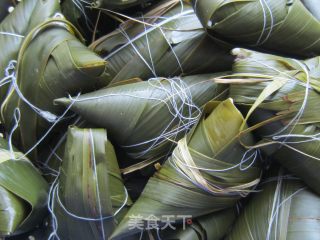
x=284, y=209
x=147, y=118
x=13, y=212
x=23, y=193
x=26, y=16
x=295, y=101
x=212, y=226
x=286, y=27
x=171, y=44
x=90, y=189
x=202, y=176
x=62, y=65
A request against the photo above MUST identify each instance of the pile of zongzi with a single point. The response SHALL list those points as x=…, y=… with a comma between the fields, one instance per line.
x=159, y=120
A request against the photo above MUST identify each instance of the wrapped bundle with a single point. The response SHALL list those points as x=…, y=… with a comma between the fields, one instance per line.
x=283, y=26
x=208, y=171
x=167, y=41
x=285, y=90
x=284, y=209
x=61, y=64
x=213, y=226
x=89, y=197
x=147, y=118
x=23, y=193
x=26, y=16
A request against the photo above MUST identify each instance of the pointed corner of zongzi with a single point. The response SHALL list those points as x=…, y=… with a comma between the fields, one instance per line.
x=62, y=101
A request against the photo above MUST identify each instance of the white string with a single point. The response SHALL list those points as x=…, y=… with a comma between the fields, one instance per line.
x=93, y=156
x=11, y=34
x=91, y=219
x=172, y=50
x=60, y=142
x=148, y=45
x=50, y=117
x=276, y=212
x=264, y=28
x=16, y=117
x=88, y=22
x=50, y=129
x=51, y=205
x=48, y=173
x=264, y=22
x=309, y=138
x=45, y=164
x=86, y=2
x=10, y=74
x=5, y=81
x=271, y=23
x=45, y=168
x=275, y=203
x=56, y=155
